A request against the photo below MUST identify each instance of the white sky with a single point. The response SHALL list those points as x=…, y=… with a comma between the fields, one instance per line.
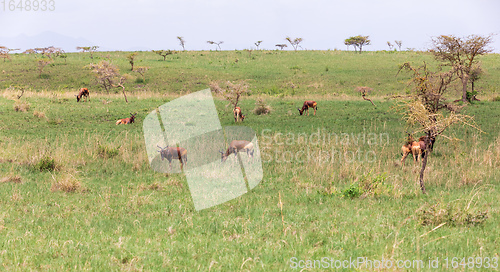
x=323, y=24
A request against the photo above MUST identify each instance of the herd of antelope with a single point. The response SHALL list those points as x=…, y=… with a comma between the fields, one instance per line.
x=416, y=148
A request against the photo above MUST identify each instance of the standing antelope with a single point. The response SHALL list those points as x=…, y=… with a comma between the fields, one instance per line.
x=127, y=120
x=418, y=149
x=238, y=115
x=170, y=153
x=237, y=146
x=307, y=105
x=83, y=92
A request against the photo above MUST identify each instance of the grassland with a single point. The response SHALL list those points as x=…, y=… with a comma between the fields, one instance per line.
x=77, y=192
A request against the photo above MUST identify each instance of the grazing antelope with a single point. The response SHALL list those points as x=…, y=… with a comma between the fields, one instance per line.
x=170, y=153
x=307, y=105
x=237, y=146
x=238, y=115
x=83, y=92
x=127, y=120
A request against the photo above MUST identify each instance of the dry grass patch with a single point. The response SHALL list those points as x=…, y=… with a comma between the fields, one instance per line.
x=66, y=183
x=13, y=179
x=39, y=114
x=21, y=106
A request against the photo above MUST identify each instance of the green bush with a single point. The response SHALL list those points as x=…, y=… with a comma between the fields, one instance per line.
x=46, y=164
x=353, y=191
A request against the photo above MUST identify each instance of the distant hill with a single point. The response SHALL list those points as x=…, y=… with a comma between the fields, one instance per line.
x=44, y=39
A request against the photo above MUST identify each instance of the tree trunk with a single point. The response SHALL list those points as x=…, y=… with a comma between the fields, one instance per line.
x=465, y=79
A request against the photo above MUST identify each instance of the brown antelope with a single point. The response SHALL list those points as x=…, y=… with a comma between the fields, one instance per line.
x=127, y=120
x=307, y=105
x=171, y=153
x=237, y=146
x=83, y=92
x=238, y=115
x=416, y=148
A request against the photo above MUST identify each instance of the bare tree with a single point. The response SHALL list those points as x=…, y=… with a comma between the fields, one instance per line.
x=424, y=111
x=281, y=46
x=231, y=91
x=461, y=54
x=399, y=44
x=141, y=70
x=364, y=91
x=90, y=49
x=108, y=76
x=4, y=53
x=390, y=45
x=294, y=42
x=216, y=43
x=164, y=53
x=182, y=42
x=41, y=63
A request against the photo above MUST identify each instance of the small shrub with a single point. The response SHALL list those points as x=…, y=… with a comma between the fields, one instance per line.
x=451, y=214
x=353, y=191
x=21, y=106
x=106, y=152
x=46, y=164
x=496, y=99
x=261, y=107
x=470, y=96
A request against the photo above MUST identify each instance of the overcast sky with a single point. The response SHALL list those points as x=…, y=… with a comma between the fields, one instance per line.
x=323, y=24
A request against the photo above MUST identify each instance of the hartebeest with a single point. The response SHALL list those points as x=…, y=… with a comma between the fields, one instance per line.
x=127, y=120
x=238, y=115
x=307, y=105
x=237, y=146
x=83, y=92
x=171, y=153
x=416, y=148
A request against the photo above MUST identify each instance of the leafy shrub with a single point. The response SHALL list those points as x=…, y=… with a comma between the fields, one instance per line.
x=46, y=164
x=352, y=191
x=470, y=96
x=106, y=152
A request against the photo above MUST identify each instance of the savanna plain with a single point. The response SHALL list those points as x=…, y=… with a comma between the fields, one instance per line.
x=77, y=191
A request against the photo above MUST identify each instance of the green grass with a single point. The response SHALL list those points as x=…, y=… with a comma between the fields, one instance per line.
x=101, y=207
x=119, y=215
x=276, y=73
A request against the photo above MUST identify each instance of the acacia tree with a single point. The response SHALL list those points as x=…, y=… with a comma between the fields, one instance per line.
x=90, y=49
x=108, y=76
x=390, y=45
x=461, y=54
x=295, y=43
x=182, y=42
x=358, y=42
x=164, y=53
x=424, y=110
x=4, y=53
x=257, y=44
x=131, y=58
x=281, y=46
x=399, y=44
x=216, y=43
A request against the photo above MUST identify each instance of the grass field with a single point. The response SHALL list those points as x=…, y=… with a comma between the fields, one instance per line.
x=77, y=191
